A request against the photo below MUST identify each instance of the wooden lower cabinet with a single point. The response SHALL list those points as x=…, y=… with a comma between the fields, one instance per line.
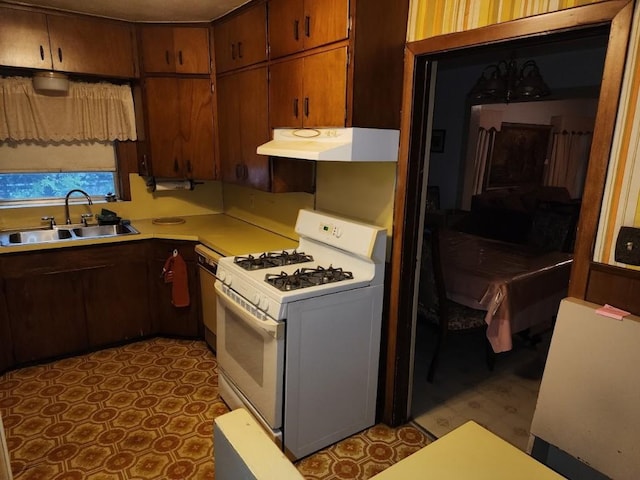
x=168, y=319
x=46, y=314
x=116, y=295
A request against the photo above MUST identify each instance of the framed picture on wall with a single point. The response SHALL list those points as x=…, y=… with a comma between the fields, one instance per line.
x=437, y=141
x=518, y=156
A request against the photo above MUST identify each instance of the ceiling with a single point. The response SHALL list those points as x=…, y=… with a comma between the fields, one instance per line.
x=143, y=10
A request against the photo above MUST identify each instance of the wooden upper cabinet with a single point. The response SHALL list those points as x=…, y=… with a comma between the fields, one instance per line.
x=168, y=49
x=93, y=46
x=241, y=40
x=24, y=41
x=310, y=91
x=296, y=25
x=243, y=125
x=180, y=127
x=66, y=43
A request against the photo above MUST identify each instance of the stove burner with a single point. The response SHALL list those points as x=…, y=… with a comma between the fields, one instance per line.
x=271, y=259
x=306, y=277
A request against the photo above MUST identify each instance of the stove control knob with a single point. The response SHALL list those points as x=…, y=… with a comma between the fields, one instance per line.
x=337, y=232
x=221, y=274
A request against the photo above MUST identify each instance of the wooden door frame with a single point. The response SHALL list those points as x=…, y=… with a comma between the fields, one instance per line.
x=617, y=14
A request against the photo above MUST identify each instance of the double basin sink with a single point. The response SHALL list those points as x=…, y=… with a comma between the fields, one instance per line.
x=65, y=233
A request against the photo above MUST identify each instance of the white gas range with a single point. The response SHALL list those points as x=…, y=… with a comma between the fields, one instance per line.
x=299, y=332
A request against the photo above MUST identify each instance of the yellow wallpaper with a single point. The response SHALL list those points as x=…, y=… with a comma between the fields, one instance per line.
x=436, y=17
x=276, y=212
x=362, y=191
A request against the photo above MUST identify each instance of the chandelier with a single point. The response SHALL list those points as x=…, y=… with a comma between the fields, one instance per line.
x=505, y=81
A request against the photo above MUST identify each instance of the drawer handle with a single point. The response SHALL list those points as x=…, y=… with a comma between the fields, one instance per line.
x=307, y=25
x=180, y=56
x=166, y=56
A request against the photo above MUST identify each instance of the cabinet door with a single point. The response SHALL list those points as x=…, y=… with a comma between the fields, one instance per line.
x=255, y=126
x=325, y=21
x=47, y=316
x=286, y=27
x=196, y=128
x=229, y=140
x=117, y=294
x=24, y=41
x=191, y=45
x=285, y=94
x=175, y=49
x=6, y=352
x=157, y=49
x=325, y=89
x=163, y=125
x=170, y=320
x=98, y=47
x=241, y=40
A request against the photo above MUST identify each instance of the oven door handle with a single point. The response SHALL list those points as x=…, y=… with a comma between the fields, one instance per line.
x=271, y=327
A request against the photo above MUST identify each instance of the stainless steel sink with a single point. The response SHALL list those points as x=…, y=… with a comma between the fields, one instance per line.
x=61, y=234
x=38, y=236
x=104, y=231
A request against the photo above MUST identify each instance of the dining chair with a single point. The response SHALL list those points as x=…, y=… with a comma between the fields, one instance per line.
x=446, y=315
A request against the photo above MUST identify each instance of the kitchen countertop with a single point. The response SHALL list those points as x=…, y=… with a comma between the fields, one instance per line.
x=225, y=234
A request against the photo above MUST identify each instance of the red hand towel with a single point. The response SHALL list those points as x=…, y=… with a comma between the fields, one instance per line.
x=175, y=272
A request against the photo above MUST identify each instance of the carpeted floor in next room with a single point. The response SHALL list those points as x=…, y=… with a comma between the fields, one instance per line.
x=146, y=411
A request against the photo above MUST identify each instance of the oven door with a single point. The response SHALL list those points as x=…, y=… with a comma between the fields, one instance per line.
x=250, y=353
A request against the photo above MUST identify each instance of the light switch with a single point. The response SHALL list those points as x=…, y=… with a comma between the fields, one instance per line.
x=628, y=246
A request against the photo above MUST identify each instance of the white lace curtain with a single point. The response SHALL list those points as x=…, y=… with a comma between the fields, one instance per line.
x=90, y=111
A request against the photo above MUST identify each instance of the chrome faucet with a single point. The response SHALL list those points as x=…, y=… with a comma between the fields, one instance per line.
x=66, y=202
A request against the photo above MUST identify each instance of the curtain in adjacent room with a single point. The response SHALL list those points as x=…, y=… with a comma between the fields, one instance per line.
x=89, y=112
x=484, y=147
x=570, y=147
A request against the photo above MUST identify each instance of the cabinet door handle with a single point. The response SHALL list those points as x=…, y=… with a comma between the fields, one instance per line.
x=41, y=52
x=245, y=172
x=175, y=164
x=296, y=35
x=239, y=49
x=306, y=107
x=238, y=171
x=295, y=107
x=166, y=56
x=180, y=56
x=233, y=51
x=60, y=54
x=307, y=25
x=189, y=166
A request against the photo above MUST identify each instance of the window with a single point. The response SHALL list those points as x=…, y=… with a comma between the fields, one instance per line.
x=46, y=170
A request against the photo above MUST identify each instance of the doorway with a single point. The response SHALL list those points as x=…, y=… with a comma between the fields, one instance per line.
x=418, y=100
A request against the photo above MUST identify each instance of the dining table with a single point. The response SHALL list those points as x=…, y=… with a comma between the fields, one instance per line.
x=517, y=285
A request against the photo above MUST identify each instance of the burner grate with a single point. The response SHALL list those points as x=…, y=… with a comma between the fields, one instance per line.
x=307, y=277
x=271, y=259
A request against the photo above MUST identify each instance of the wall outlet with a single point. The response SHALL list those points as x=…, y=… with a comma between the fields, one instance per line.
x=628, y=246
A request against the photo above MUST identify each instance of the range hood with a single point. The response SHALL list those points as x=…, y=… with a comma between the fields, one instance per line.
x=334, y=144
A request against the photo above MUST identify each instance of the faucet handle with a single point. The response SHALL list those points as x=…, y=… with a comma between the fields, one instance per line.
x=84, y=217
x=51, y=220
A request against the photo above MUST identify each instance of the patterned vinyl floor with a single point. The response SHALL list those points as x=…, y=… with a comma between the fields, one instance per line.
x=146, y=411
